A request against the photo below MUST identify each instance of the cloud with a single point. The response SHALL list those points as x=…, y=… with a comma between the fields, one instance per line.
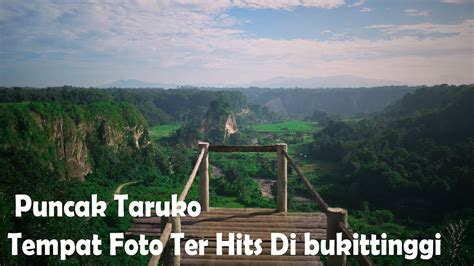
x=287, y=4
x=358, y=3
x=417, y=13
x=190, y=42
x=323, y=3
x=464, y=28
x=452, y=1
x=365, y=9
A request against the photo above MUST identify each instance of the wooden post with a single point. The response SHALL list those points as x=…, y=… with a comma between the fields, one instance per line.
x=282, y=197
x=204, y=171
x=334, y=216
x=166, y=248
x=176, y=229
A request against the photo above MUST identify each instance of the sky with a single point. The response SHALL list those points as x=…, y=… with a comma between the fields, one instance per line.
x=94, y=42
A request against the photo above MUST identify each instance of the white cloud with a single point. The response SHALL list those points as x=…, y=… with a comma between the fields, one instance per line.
x=323, y=3
x=168, y=42
x=365, y=9
x=287, y=4
x=452, y=1
x=417, y=13
x=358, y=3
x=464, y=28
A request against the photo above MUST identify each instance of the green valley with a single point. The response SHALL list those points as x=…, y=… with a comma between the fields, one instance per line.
x=405, y=170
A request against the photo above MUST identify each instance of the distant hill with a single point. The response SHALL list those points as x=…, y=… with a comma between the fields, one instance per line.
x=341, y=81
x=159, y=106
x=345, y=102
x=133, y=83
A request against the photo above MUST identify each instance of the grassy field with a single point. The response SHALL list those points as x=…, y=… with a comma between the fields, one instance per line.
x=161, y=131
x=291, y=125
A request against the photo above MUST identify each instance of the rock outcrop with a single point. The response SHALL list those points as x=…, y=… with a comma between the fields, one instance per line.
x=59, y=134
x=219, y=122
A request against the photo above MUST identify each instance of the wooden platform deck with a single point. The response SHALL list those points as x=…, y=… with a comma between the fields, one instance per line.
x=258, y=223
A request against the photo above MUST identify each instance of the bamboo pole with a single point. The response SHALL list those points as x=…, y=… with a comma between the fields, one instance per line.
x=204, y=183
x=264, y=148
x=282, y=183
x=324, y=206
x=364, y=260
x=166, y=232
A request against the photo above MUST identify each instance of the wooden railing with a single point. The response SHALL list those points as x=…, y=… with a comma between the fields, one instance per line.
x=174, y=223
x=336, y=217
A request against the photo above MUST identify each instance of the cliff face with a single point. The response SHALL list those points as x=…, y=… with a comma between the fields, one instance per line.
x=68, y=135
x=70, y=145
x=230, y=126
x=219, y=122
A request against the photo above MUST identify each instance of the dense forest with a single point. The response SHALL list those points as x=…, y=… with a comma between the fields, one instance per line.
x=426, y=154
x=401, y=159
x=158, y=106
x=344, y=102
x=415, y=159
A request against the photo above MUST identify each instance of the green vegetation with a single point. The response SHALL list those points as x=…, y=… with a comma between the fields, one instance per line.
x=293, y=126
x=163, y=131
x=344, y=102
x=407, y=171
x=158, y=106
x=45, y=149
x=415, y=164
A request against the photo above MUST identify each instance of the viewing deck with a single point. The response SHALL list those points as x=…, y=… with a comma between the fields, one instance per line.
x=257, y=223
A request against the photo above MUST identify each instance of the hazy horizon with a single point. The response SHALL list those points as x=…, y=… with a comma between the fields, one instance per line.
x=188, y=42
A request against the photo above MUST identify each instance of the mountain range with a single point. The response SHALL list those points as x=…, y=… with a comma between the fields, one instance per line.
x=134, y=83
x=340, y=81
x=322, y=82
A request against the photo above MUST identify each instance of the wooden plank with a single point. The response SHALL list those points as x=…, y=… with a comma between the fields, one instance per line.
x=321, y=221
x=219, y=148
x=243, y=224
x=265, y=250
x=251, y=211
x=225, y=230
x=248, y=262
x=212, y=235
x=255, y=258
x=266, y=245
x=256, y=221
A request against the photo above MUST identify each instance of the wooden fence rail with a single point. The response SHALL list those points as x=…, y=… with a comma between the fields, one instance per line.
x=266, y=148
x=363, y=260
x=319, y=200
x=168, y=228
x=336, y=217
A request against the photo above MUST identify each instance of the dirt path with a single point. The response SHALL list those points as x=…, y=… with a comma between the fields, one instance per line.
x=118, y=190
